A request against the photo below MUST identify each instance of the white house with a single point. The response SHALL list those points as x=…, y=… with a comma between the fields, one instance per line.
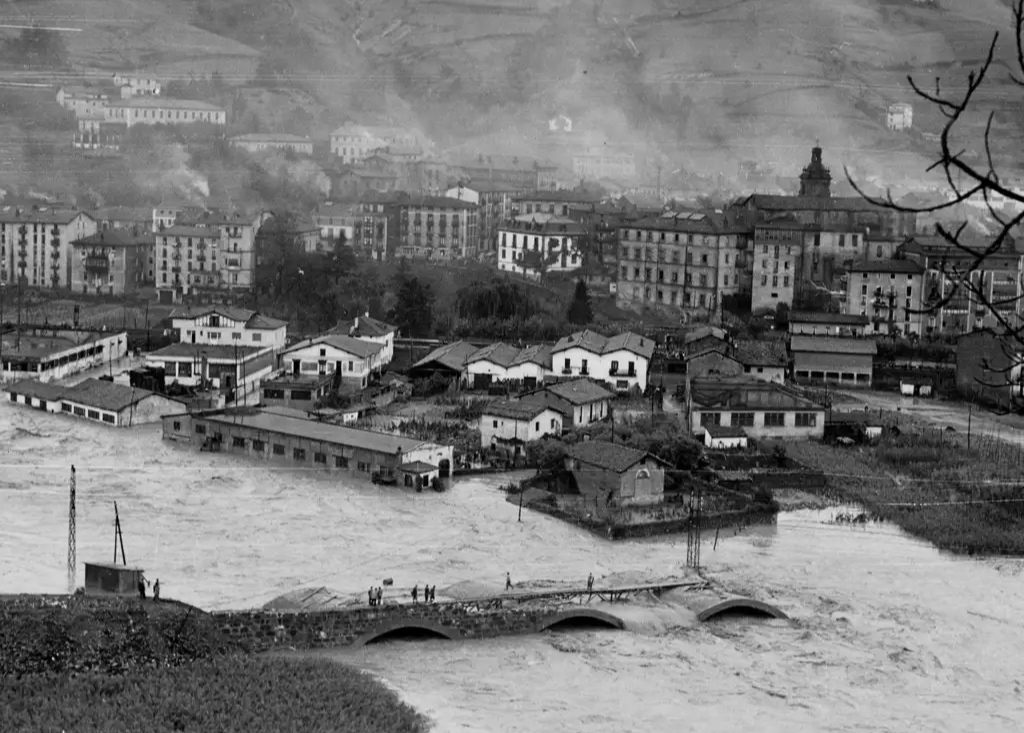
x=532, y=244
x=767, y=360
x=220, y=325
x=505, y=363
x=353, y=359
x=516, y=423
x=580, y=401
x=372, y=331
x=622, y=361
x=234, y=371
x=724, y=437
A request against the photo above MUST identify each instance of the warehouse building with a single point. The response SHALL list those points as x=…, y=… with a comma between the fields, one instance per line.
x=289, y=437
x=95, y=399
x=847, y=362
x=46, y=354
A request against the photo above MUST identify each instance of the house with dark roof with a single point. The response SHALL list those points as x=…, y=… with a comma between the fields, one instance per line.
x=221, y=325
x=811, y=323
x=354, y=362
x=501, y=362
x=370, y=329
x=846, y=362
x=766, y=360
x=580, y=401
x=448, y=360
x=762, y=409
x=622, y=361
x=612, y=474
x=118, y=405
x=514, y=423
x=43, y=396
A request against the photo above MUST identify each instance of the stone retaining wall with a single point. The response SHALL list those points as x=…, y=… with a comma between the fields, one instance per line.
x=262, y=630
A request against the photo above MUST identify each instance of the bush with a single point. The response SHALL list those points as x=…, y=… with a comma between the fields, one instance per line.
x=223, y=695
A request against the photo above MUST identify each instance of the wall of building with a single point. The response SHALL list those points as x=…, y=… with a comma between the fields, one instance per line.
x=430, y=453
x=713, y=363
x=826, y=329
x=354, y=370
x=767, y=373
x=636, y=490
x=759, y=430
x=69, y=361
x=851, y=369
x=497, y=428
x=47, y=405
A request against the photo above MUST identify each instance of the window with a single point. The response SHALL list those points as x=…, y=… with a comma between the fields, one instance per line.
x=774, y=419
x=278, y=449
x=238, y=442
x=806, y=419
x=364, y=467
x=273, y=394
x=340, y=462
x=553, y=424
x=711, y=418
x=108, y=418
x=615, y=368
x=743, y=419
x=200, y=430
x=299, y=454
x=494, y=423
x=177, y=424
x=258, y=446
x=320, y=458
x=93, y=414
x=536, y=426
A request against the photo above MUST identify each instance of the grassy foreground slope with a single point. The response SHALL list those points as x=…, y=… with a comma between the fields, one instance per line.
x=95, y=665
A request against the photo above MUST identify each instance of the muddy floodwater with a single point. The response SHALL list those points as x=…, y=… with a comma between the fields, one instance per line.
x=888, y=634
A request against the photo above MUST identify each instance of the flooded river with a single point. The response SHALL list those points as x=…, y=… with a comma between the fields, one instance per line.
x=888, y=634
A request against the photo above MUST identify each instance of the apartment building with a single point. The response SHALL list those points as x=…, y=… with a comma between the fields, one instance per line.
x=423, y=227
x=257, y=142
x=132, y=85
x=110, y=262
x=163, y=111
x=621, y=361
x=556, y=203
x=525, y=175
x=365, y=231
x=889, y=293
x=533, y=244
x=689, y=260
x=354, y=143
x=35, y=243
x=82, y=101
x=96, y=133
x=596, y=166
x=494, y=205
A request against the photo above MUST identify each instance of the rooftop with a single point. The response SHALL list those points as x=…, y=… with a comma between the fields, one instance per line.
x=539, y=354
x=105, y=395
x=703, y=332
x=181, y=230
x=39, y=214
x=831, y=319
x=355, y=347
x=417, y=467
x=609, y=456
x=746, y=393
x=269, y=137
x=210, y=351
x=514, y=410
x=579, y=391
x=543, y=224
x=832, y=345
x=452, y=356
x=420, y=201
x=124, y=213
x=725, y=431
x=774, y=202
x=115, y=238
x=253, y=321
x=34, y=347
x=40, y=390
x=371, y=131
x=595, y=343
x=750, y=352
x=166, y=103
x=280, y=424
x=502, y=355
x=561, y=197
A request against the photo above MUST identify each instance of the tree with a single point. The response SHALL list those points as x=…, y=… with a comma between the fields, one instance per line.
x=37, y=46
x=580, y=311
x=782, y=316
x=496, y=298
x=413, y=312
x=969, y=176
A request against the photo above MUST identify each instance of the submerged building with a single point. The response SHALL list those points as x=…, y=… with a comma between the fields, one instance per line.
x=46, y=354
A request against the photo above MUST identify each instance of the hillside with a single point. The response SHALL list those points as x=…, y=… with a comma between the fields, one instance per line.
x=694, y=84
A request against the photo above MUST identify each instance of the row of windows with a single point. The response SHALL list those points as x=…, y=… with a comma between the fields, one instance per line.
x=673, y=297
x=702, y=279
x=107, y=417
x=771, y=419
x=673, y=256
x=277, y=449
x=676, y=237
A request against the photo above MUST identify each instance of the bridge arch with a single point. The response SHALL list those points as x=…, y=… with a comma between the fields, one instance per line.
x=398, y=624
x=713, y=609
x=586, y=613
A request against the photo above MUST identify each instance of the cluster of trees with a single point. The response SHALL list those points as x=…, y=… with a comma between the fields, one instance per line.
x=413, y=311
x=38, y=47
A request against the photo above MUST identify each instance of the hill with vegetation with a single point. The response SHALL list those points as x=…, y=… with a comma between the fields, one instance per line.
x=697, y=85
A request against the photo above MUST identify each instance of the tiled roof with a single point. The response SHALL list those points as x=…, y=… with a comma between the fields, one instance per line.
x=773, y=202
x=106, y=395
x=40, y=390
x=540, y=355
x=166, y=103
x=210, y=351
x=124, y=213
x=347, y=344
x=725, y=431
x=579, y=391
x=703, y=331
x=515, y=410
x=115, y=238
x=364, y=327
x=191, y=313
x=760, y=353
x=499, y=354
x=43, y=214
x=259, y=322
x=832, y=345
x=595, y=343
x=610, y=456
x=453, y=356
x=888, y=266
x=831, y=319
x=745, y=393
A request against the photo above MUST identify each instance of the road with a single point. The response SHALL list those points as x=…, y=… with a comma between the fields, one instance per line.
x=941, y=413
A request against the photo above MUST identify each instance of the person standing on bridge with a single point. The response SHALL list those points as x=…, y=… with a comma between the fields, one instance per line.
x=370, y=597
x=590, y=583
x=379, y=596
x=415, y=593
x=508, y=581
x=433, y=592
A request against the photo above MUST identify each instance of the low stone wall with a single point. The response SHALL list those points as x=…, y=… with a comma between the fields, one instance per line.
x=263, y=630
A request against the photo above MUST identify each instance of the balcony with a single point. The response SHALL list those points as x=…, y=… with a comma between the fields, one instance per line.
x=175, y=270
x=567, y=371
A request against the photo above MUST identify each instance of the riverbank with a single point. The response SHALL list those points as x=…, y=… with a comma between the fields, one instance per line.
x=121, y=663
x=962, y=498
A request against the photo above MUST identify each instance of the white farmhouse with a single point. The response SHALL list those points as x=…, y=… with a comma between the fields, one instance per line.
x=220, y=325
x=622, y=361
x=504, y=363
x=516, y=423
x=354, y=360
x=372, y=331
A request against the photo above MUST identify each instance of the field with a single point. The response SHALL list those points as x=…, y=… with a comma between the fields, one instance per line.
x=120, y=664
x=926, y=480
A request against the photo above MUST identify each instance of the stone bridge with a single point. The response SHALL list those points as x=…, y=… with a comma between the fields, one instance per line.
x=508, y=615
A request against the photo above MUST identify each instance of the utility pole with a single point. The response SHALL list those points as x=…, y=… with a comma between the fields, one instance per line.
x=694, y=529
x=970, y=412
x=72, y=531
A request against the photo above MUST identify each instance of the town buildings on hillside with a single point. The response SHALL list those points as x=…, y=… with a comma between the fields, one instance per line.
x=889, y=293
x=133, y=85
x=354, y=143
x=256, y=142
x=163, y=111
x=525, y=175
x=35, y=243
x=602, y=165
x=364, y=229
x=426, y=227
x=494, y=205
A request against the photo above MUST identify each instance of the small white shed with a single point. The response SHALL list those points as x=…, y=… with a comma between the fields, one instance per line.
x=724, y=437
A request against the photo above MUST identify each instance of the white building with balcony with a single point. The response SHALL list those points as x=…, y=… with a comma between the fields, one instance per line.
x=354, y=361
x=621, y=361
x=227, y=326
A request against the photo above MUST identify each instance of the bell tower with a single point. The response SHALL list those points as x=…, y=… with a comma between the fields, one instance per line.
x=815, y=180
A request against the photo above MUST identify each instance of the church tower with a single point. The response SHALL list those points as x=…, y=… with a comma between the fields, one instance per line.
x=815, y=180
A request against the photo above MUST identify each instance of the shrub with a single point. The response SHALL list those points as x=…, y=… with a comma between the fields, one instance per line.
x=222, y=695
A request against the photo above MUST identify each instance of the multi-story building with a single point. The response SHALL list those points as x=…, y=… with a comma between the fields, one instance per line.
x=557, y=203
x=494, y=205
x=525, y=175
x=82, y=101
x=621, y=361
x=956, y=287
x=365, y=231
x=430, y=176
x=689, y=260
x=533, y=244
x=303, y=232
x=224, y=325
x=424, y=227
x=816, y=205
x=136, y=86
x=826, y=255
x=96, y=133
x=889, y=293
x=187, y=258
x=353, y=143
x=110, y=262
x=776, y=254
x=260, y=141
x=899, y=116
x=163, y=111
x=35, y=243
x=137, y=219
x=596, y=166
